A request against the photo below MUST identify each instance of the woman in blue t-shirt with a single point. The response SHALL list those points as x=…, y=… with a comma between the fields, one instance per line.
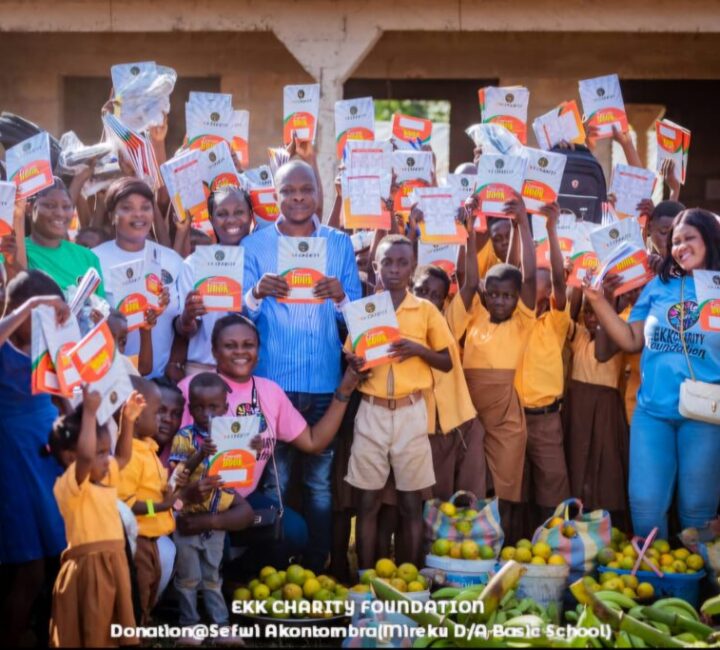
x=667, y=449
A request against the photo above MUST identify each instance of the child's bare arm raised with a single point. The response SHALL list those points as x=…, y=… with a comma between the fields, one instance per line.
x=557, y=264
x=17, y=317
x=472, y=275
x=515, y=208
x=130, y=413
x=87, y=440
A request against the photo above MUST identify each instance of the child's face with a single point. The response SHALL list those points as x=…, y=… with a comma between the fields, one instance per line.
x=101, y=464
x=146, y=425
x=589, y=318
x=500, y=237
x=207, y=403
x=362, y=259
x=169, y=416
x=659, y=230
x=432, y=289
x=119, y=329
x=397, y=263
x=501, y=298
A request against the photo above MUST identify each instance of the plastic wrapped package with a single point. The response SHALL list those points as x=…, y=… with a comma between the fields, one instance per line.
x=493, y=138
x=143, y=92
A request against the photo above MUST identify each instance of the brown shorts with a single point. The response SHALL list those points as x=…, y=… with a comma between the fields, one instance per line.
x=548, y=474
x=385, y=439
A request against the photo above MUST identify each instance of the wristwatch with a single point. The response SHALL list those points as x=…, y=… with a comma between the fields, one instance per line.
x=340, y=397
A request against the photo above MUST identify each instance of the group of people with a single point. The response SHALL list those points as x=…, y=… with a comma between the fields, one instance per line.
x=504, y=383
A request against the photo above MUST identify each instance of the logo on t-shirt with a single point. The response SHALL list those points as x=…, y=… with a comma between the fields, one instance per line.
x=692, y=315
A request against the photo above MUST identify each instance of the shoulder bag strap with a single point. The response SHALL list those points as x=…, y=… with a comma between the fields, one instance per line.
x=256, y=396
x=682, y=328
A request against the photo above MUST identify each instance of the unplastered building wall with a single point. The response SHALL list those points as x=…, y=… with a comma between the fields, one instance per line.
x=254, y=67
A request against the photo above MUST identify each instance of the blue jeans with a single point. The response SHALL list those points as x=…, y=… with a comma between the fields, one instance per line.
x=664, y=453
x=316, y=480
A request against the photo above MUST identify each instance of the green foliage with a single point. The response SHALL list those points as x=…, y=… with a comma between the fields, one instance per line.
x=437, y=111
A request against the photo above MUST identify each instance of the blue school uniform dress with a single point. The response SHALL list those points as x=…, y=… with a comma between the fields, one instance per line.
x=31, y=527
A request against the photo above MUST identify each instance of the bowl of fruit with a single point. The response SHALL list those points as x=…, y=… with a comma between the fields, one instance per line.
x=671, y=572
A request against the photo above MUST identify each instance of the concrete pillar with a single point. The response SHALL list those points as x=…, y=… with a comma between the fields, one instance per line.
x=329, y=51
x=642, y=117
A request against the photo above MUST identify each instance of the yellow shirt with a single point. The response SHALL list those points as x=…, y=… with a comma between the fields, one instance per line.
x=490, y=346
x=90, y=511
x=585, y=367
x=419, y=321
x=486, y=258
x=449, y=397
x=540, y=377
x=144, y=478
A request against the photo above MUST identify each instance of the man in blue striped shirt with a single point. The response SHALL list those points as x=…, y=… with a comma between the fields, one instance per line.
x=300, y=345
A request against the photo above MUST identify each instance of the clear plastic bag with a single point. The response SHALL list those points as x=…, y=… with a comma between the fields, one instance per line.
x=143, y=92
x=493, y=138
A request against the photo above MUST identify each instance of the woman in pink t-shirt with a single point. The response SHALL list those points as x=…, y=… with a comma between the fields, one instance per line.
x=235, y=345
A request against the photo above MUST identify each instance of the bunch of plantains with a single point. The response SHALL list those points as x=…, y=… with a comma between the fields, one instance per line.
x=603, y=619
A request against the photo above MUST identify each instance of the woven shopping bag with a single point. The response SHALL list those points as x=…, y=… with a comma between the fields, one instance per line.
x=580, y=536
x=482, y=525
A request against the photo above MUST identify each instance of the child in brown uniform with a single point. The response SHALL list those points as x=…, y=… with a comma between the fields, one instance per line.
x=92, y=590
x=456, y=435
x=540, y=383
x=496, y=332
x=597, y=444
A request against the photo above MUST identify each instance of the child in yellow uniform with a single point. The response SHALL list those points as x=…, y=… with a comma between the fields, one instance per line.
x=596, y=430
x=456, y=435
x=493, y=245
x=391, y=423
x=144, y=488
x=496, y=332
x=92, y=590
x=540, y=382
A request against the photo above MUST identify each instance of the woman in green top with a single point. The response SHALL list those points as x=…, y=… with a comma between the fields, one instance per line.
x=48, y=248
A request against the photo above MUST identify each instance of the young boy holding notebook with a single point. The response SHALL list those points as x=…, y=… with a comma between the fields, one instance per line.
x=391, y=423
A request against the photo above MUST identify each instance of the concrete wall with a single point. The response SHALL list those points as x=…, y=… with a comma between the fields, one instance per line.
x=253, y=67
x=544, y=43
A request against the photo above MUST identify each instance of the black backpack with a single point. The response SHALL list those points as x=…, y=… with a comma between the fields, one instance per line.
x=583, y=189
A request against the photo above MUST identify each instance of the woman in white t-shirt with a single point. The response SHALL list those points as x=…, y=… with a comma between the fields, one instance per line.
x=131, y=208
x=232, y=220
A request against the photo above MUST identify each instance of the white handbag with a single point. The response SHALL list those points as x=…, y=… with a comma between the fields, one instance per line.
x=698, y=399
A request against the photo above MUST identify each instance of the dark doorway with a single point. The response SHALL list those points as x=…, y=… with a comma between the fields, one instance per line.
x=85, y=96
x=461, y=93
